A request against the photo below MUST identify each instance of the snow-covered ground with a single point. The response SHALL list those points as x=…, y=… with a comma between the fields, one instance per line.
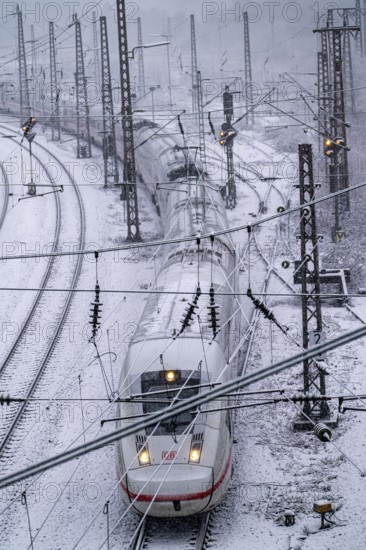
x=276, y=468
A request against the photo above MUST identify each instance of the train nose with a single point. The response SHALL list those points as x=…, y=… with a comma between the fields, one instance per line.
x=170, y=490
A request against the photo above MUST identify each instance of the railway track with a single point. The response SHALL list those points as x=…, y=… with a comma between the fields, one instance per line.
x=4, y=209
x=265, y=199
x=190, y=533
x=27, y=358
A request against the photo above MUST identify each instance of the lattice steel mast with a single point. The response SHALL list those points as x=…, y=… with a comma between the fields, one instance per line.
x=338, y=168
x=194, y=68
x=348, y=68
x=140, y=53
x=96, y=49
x=83, y=147
x=24, y=103
x=55, y=92
x=228, y=101
x=324, y=86
x=129, y=170
x=359, y=37
x=201, y=123
x=314, y=379
x=109, y=131
x=248, y=70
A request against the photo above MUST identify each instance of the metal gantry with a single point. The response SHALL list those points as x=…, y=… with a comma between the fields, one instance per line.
x=194, y=68
x=314, y=378
x=129, y=189
x=248, y=70
x=83, y=148
x=140, y=54
x=55, y=92
x=109, y=130
x=332, y=39
x=24, y=103
x=96, y=48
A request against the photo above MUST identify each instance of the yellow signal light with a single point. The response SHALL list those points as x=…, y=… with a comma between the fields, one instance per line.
x=328, y=142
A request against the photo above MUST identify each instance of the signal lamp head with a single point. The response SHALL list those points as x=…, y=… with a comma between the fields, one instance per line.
x=328, y=142
x=170, y=376
x=144, y=457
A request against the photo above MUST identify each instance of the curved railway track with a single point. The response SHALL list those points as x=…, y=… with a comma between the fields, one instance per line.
x=29, y=357
x=6, y=194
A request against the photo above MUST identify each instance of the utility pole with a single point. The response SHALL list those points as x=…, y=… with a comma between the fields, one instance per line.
x=142, y=85
x=82, y=107
x=314, y=378
x=194, y=68
x=248, y=71
x=55, y=92
x=96, y=48
x=23, y=76
x=201, y=124
x=109, y=131
x=227, y=139
x=129, y=188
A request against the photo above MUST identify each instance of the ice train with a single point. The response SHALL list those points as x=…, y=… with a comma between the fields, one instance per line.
x=180, y=348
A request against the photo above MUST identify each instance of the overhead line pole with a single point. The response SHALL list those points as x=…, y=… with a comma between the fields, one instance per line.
x=314, y=378
x=55, y=92
x=141, y=65
x=248, y=71
x=83, y=147
x=194, y=68
x=129, y=187
x=111, y=175
x=25, y=110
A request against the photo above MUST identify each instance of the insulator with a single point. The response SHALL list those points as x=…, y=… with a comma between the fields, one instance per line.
x=322, y=432
x=4, y=400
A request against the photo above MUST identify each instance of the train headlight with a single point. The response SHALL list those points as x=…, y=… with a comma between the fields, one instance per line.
x=144, y=457
x=195, y=455
x=170, y=376
x=196, y=448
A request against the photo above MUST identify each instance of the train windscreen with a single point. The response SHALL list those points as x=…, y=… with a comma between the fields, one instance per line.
x=163, y=387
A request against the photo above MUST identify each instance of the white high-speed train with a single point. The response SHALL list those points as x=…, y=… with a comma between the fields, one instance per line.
x=183, y=465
